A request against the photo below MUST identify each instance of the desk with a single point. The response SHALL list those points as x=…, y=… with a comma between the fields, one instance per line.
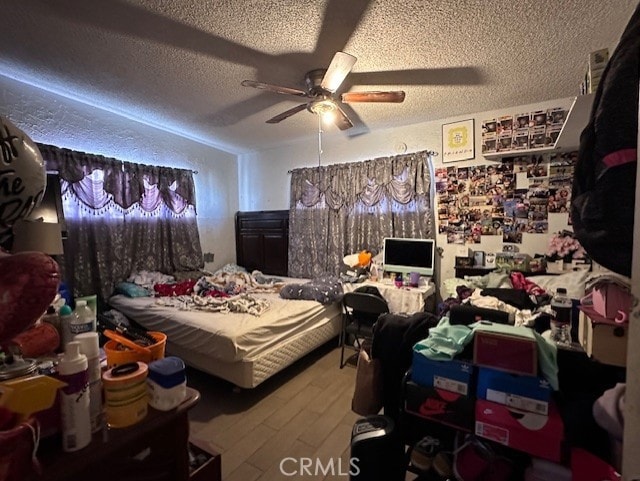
x=400, y=300
x=163, y=434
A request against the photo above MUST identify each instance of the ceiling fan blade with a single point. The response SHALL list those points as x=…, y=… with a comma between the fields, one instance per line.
x=274, y=88
x=341, y=120
x=338, y=69
x=373, y=96
x=286, y=114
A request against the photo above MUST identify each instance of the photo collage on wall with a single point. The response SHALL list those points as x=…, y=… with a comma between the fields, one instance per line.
x=507, y=198
x=529, y=130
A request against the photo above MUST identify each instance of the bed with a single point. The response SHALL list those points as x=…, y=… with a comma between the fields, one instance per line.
x=242, y=348
x=526, y=301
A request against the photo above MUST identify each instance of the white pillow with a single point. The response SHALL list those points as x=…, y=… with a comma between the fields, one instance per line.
x=573, y=282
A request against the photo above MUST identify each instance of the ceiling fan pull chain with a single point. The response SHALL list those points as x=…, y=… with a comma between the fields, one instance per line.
x=319, y=139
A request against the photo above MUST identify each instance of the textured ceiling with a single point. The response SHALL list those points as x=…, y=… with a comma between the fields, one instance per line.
x=178, y=65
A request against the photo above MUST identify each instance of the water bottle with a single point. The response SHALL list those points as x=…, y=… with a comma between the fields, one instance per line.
x=86, y=318
x=74, y=398
x=561, y=309
x=90, y=347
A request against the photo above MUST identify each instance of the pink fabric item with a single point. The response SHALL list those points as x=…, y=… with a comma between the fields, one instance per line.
x=519, y=281
x=177, y=289
x=610, y=301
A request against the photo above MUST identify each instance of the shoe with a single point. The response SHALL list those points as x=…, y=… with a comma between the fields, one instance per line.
x=423, y=453
x=475, y=460
x=443, y=464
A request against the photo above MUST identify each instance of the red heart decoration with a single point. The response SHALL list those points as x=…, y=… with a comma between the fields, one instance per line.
x=28, y=285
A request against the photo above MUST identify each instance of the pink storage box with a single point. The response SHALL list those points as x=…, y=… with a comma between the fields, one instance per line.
x=586, y=466
x=536, y=434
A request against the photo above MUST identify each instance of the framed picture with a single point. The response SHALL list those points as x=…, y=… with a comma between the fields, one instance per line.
x=458, y=141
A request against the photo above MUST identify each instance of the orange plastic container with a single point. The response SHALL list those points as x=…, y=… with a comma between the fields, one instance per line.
x=119, y=353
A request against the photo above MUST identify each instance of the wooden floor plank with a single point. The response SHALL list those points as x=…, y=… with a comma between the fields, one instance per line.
x=279, y=446
x=292, y=407
x=302, y=412
x=244, y=472
x=289, y=468
x=240, y=452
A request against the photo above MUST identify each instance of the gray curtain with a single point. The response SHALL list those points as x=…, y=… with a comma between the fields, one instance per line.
x=345, y=208
x=123, y=217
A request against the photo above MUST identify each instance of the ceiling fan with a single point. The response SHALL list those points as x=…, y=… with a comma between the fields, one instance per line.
x=321, y=85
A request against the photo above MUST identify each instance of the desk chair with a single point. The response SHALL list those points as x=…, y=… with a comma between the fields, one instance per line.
x=360, y=311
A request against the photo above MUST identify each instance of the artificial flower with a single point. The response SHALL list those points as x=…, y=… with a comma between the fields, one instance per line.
x=565, y=246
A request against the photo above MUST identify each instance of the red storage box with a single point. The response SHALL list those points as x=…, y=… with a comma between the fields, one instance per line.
x=588, y=467
x=536, y=434
x=507, y=348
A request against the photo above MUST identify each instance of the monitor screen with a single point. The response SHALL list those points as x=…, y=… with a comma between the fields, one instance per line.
x=409, y=255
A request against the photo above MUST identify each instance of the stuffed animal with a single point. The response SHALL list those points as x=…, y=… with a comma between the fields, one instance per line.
x=359, y=260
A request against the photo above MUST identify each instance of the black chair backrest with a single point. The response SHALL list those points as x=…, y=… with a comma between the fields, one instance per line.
x=363, y=302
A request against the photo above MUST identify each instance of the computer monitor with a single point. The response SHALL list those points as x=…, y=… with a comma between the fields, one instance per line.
x=409, y=255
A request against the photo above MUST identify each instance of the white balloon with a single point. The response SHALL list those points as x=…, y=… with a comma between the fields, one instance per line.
x=23, y=176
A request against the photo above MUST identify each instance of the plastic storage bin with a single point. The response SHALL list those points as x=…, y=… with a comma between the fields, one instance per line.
x=166, y=383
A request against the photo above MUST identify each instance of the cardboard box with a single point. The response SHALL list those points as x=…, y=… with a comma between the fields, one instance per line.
x=527, y=393
x=456, y=376
x=506, y=348
x=603, y=340
x=441, y=406
x=536, y=434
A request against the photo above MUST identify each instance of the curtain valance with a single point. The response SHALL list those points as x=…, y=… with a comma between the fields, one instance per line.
x=124, y=183
x=399, y=178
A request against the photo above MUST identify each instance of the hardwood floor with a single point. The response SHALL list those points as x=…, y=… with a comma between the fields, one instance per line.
x=304, y=411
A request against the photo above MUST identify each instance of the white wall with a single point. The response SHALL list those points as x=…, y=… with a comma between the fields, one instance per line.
x=265, y=182
x=51, y=119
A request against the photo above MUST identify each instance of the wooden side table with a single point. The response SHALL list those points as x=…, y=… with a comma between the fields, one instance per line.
x=157, y=448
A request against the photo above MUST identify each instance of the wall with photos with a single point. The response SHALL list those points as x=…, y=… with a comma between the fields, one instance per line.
x=264, y=182
x=507, y=198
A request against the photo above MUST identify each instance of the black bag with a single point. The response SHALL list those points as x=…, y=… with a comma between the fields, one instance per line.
x=603, y=195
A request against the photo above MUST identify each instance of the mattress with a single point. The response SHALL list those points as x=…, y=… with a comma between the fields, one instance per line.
x=249, y=373
x=228, y=337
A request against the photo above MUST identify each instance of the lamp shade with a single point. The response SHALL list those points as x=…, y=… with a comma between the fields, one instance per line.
x=37, y=236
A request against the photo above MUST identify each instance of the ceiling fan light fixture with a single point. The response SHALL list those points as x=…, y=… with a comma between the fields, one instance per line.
x=323, y=107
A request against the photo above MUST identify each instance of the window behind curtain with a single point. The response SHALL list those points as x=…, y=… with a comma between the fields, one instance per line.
x=123, y=217
x=345, y=208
